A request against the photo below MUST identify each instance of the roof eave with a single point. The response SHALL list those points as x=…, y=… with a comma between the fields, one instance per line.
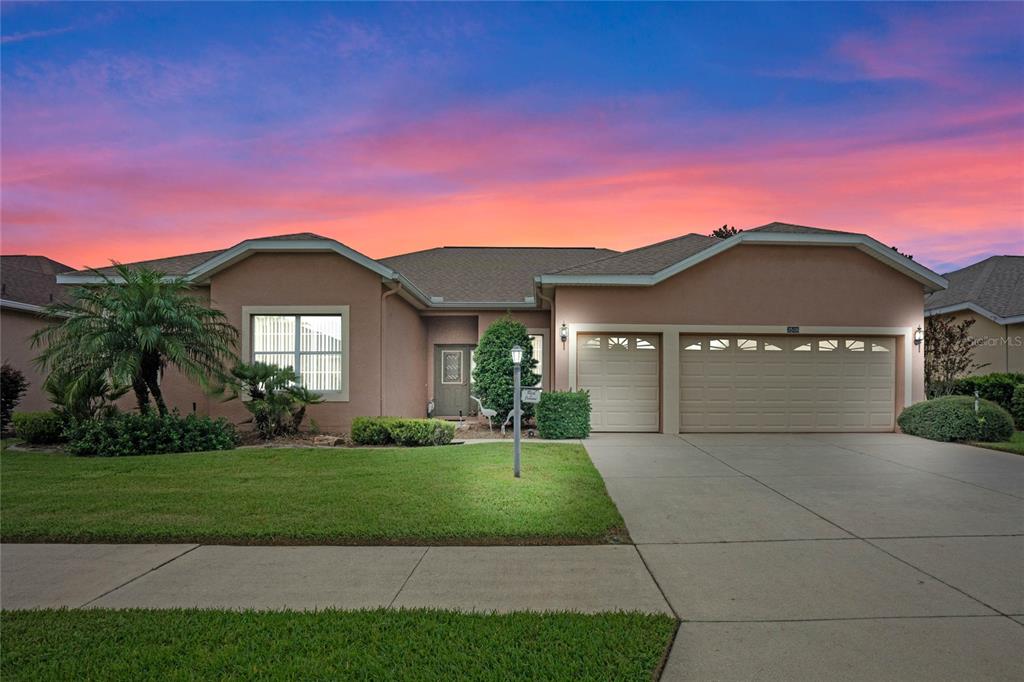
x=862, y=242
x=974, y=308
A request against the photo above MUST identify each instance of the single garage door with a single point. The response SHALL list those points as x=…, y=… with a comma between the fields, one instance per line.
x=786, y=383
x=621, y=371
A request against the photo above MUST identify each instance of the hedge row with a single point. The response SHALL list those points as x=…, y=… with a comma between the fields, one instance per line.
x=952, y=418
x=38, y=428
x=564, y=414
x=149, y=434
x=998, y=387
x=401, y=431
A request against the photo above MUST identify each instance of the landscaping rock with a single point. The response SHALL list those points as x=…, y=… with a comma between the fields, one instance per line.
x=328, y=441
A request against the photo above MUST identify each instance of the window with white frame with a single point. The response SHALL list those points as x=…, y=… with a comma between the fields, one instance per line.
x=312, y=345
x=537, y=343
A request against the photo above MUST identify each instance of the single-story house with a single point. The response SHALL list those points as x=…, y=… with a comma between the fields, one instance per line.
x=990, y=292
x=779, y=328
x=27, y=285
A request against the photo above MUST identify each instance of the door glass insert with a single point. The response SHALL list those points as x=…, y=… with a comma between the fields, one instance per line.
x=451, y=367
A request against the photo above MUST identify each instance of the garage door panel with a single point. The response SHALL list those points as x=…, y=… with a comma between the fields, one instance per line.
x=622, y=373
x=787, y=383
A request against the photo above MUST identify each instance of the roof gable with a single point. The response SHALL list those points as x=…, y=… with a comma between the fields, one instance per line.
x=772, y=233
x=29, y=282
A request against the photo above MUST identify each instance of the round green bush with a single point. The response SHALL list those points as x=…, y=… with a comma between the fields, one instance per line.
x=952, y=418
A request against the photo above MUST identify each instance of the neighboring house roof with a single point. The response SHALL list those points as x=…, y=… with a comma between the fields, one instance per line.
x=465, y=276
x=30, y=282
x=993, y=287
x=650, y=265
x=486, y=274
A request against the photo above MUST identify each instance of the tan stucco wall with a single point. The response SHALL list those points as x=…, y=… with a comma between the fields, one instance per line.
x=283, y=279
x=405, y=367
x=15, y=329
x=1002, y=346
x=761, y=285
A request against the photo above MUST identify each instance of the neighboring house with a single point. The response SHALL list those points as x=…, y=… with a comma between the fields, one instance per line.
x=990, y=292
x=29, y=283
x=779, y=328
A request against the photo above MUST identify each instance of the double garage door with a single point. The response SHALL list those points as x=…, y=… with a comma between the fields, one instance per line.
x=742, y=383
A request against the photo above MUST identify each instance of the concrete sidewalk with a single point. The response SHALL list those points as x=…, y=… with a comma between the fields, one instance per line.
x=579, y=578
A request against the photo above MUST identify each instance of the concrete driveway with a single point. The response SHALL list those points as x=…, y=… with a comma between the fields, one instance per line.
x=846, y=556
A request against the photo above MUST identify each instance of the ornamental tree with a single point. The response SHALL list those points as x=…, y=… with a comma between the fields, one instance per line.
x=948, y=353
x=492, y=376
x=129, y=327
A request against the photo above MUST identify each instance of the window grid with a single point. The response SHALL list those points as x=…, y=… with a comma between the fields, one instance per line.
x=280, y=340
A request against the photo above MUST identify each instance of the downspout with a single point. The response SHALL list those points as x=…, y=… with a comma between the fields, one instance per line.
x=383, y=329
x=550, y=352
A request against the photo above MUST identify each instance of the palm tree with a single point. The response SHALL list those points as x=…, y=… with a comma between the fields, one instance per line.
x=131, y=329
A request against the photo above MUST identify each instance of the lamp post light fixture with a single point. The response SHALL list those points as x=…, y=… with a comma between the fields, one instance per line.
x=517, y=359
x=918, y=337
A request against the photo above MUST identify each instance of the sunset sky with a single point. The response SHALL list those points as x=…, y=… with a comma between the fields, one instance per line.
x=146, y=130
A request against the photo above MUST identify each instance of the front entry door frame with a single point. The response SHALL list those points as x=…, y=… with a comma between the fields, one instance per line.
x=452, y=380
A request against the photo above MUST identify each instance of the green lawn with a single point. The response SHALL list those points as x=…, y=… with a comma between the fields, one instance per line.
x=462, y=494
x=364, y=645
x=1014, y=445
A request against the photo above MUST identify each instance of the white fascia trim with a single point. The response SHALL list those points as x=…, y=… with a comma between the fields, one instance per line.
x=862, y=242
x=472, y=305
x=74, y=278
x=248, y=247
x=24, y=307
x=974, y=308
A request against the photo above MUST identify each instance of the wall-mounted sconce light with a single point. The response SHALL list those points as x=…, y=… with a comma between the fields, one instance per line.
x=563, y=332
x=918, y=337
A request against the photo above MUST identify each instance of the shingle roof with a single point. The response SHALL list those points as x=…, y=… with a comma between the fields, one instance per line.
x=180, y=265
x=995, y=284
x=790, y=228
x=486, y=274
x=645, y=260
x=31, y=279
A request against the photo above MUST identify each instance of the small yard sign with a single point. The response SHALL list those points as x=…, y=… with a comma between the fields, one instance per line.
x=531, y=395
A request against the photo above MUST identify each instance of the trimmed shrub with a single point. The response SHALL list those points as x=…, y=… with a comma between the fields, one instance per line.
x=149, y=434
x=952, y=418
x=997, y=387
x=399, y=431
x=371, y=430
x=39, y=428
x=564, y=414
x=1017, y=406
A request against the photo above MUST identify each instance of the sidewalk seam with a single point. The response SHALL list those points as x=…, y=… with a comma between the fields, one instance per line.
x=127, y=582
x=656, y=583
x=407, y=578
